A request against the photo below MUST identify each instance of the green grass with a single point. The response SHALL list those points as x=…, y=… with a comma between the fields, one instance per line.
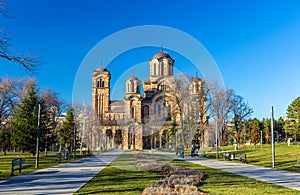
x=285, y=156
x=220, y=182
x=44, y=162
x=121, y=177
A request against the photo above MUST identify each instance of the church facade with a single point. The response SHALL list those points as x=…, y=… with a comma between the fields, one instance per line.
x=141, y=120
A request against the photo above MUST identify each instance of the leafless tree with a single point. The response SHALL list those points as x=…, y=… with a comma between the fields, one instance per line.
x=178, y=95
x=52, y=107
x=221, y=105
x=30, y=62
x=11, y=91
x=241, y=111
x=87, y=125
x=200, y=111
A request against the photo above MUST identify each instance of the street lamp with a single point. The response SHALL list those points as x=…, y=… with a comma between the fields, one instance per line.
x=272, y=134
x=261, y=139
x=217, y=152
x=38, y=138
x=74, y=138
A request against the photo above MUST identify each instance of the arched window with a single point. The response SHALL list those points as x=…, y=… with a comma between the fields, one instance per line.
x=102, y=84
x=132, y=87
x=162, y=69
x=146, y=111
x=159, y=109
x=154, y=67
x=195, y=86
x=162, y=87
x=98, y=83
x=132, y=112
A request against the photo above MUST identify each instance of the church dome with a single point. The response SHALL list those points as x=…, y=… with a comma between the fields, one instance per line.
x=132, y=78
x=102, y=69
x=161, y=54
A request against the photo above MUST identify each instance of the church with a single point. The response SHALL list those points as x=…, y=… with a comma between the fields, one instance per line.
x=142, y=120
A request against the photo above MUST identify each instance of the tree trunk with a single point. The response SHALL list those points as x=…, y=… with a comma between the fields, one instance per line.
x=182, y=129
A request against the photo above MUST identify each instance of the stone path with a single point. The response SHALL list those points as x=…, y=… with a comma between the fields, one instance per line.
x=278, y=177
x=60, y=179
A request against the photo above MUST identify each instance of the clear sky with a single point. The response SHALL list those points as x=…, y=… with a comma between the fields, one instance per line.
x=256, y=44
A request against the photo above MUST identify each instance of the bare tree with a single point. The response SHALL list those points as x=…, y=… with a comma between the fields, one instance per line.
x=29, y=62
x=11, y=91
x=222, y=105
x=178, y=95
x=241, y=111
x=200, y=111
x=86, y=123
x=52, y=108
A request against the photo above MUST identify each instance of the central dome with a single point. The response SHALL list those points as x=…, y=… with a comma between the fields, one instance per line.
x=161, y=54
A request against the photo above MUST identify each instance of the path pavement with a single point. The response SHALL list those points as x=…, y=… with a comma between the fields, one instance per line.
x=274, y=176
x=60, y=179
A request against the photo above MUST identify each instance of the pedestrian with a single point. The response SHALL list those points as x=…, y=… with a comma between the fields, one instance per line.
x=181, y=151
x=193, y=151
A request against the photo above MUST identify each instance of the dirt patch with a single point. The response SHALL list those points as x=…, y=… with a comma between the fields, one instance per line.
x=179, y=180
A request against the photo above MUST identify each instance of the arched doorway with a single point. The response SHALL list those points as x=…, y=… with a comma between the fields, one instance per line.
x=108, y=139
x=118, y=139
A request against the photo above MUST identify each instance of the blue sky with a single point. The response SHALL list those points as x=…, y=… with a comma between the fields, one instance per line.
x=256, y=44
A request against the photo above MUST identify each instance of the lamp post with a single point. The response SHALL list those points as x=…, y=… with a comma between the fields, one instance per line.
x=272, y=134
x=74, y=139
x=217, y=152
x=261, y=141
x=38, y=138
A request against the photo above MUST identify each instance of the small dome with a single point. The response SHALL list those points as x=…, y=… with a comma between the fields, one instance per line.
x=195, y=79
x=101, y=69
x=132, y=78
x=161, y=54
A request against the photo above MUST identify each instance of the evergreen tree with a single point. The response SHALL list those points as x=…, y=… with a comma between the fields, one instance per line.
x=266, y=123
x=66, y=132
x=5, y=139
x=255, y=132
x=25, y=121
x=292, y=124
x=279, y=129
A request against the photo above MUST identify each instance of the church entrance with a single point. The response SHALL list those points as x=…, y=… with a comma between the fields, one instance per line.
x=118, y=139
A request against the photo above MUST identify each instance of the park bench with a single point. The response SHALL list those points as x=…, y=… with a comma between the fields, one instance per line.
x=226, y=155
x=242, y=157
x=17, y=164
x=198, y=153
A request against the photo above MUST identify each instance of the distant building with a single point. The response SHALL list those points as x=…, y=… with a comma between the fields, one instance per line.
x=140, y=120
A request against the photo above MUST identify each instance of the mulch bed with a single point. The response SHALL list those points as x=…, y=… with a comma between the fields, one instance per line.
x=178, y=180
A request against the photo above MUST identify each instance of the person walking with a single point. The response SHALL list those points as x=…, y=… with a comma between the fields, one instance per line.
x=193, y=151
x=181, y=151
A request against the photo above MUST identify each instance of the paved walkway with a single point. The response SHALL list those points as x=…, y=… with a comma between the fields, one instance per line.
x=60, y=179
x=283, y=178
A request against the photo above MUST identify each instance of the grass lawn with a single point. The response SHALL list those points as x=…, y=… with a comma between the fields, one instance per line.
x=285, y=156
x=121, y=177
x=220, y=182
x=44, y=162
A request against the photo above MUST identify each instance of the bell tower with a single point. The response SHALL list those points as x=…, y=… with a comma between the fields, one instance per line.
x=101, y=92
